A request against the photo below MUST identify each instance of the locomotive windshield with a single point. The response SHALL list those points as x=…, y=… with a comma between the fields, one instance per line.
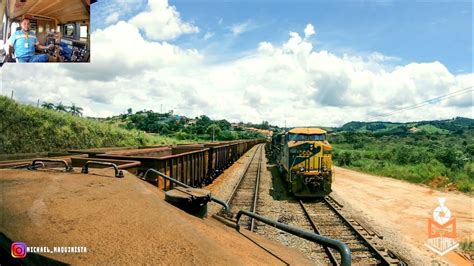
x=317, y=137
x=301, y=137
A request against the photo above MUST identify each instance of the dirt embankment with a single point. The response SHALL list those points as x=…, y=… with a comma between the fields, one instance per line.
x=400, y=210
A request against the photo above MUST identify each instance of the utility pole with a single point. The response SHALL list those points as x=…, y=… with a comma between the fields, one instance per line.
x=38, y=103
x=285, y=124
x=11, y=97
x=213, y=129
x=161, y=108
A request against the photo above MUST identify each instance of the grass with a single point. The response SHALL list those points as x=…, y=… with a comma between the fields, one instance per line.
x=28, y=129
x=467, y=247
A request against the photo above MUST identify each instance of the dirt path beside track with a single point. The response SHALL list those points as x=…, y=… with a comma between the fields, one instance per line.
x=400, y=210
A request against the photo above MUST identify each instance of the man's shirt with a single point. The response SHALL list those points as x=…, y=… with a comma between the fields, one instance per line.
x=24, y=43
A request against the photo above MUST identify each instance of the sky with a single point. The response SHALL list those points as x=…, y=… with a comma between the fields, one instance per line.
x=296, y=62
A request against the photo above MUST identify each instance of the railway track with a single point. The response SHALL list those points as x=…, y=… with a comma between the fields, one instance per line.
x=245, y=193
x=325, y=218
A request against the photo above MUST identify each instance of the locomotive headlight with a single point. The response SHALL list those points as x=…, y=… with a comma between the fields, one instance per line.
x=302, y=169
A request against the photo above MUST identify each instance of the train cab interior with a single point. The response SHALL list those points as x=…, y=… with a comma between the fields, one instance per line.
x=63, y=23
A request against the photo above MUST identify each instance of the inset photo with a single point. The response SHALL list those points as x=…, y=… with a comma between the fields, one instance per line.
x=40, y=31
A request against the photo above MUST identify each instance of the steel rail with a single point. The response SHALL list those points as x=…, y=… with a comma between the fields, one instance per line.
x=234, y=191
x=330, y=254
x=255, y=197
x=371, y=247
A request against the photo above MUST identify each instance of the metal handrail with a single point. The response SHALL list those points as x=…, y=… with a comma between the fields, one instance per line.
x=33, y=166
x=29, y=166
x=342, y=248
x=212, y=198
x=85, y=168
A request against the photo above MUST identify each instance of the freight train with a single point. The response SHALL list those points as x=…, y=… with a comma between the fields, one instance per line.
x=304, y=158
x=195, y=165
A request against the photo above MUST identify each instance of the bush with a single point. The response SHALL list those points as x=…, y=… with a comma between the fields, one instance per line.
x=345, y=158
x=182, y=135
x=227, y=135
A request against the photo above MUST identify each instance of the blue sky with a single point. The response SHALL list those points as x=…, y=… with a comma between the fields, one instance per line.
x=409, y=30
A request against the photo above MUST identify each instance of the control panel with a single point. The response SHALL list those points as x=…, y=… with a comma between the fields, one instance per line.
x=73, y=51
x=52, y=38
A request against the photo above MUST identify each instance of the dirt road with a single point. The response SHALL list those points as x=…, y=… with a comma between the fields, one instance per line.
x=400, y=210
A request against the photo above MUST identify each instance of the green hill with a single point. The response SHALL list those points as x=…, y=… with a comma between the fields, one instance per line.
x=430, y=127
x=28, y=129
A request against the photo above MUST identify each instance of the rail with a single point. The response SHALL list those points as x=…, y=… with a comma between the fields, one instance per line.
x=371, y=247
x=255, y=196
x=342, y=248
x=33, y=166
x=212, y=198
x=234, y=191
x=85, y=168
x=331, y=256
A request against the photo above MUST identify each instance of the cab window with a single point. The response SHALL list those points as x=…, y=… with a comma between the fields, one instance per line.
x=299, y=137
x=317, y=137
x=296, y=137
x=83, y=32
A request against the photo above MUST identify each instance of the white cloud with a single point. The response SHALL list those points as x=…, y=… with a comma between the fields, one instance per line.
x=113, y=55
x=208, y=35
x=308, y=31
x=240, y=28
x=112, y=18
x=379, y=57
x=162, y=21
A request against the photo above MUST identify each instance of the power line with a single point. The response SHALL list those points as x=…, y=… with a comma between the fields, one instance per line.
x=429, y=101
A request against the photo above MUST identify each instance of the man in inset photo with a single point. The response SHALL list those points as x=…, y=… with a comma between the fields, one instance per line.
x=24, y=43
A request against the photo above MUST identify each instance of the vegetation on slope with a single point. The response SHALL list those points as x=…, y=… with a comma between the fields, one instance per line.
x=27, y=129
x=432, y=157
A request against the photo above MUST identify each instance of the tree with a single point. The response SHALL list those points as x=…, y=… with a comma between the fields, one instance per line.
x=202, y=123
x=129, y=111
x=61, y=107
x=265, y=125
x=75, y=110
x=224, y=124
x=49, y=106
x=213, y=130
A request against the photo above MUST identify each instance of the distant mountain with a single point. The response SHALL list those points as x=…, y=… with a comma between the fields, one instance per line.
x=434, y=126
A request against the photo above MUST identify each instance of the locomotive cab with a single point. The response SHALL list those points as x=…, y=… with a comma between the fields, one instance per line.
x=63, y=25
x=306, y=162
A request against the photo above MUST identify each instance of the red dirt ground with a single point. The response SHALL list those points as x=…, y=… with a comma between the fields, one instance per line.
x=404, y=208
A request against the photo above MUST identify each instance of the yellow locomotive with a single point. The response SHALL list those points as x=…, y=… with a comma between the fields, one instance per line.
x=304, y=157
